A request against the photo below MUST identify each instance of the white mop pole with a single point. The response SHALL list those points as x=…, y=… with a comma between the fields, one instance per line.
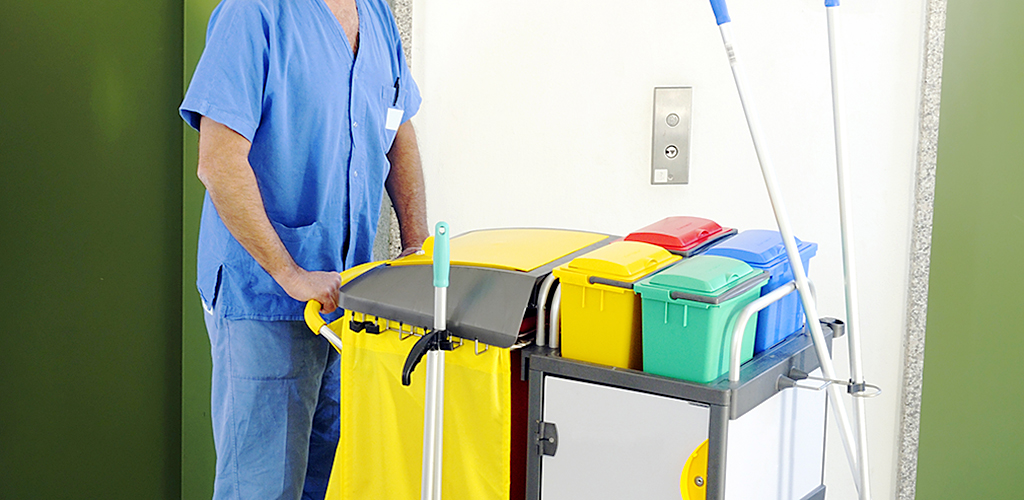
x=850, y=273
x=433, y=414
x=778, y=206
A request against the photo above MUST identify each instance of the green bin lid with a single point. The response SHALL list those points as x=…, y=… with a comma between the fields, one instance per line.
x=704, y=275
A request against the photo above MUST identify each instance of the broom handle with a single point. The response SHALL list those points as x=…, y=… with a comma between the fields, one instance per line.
x=849, y=270
x=781, y=217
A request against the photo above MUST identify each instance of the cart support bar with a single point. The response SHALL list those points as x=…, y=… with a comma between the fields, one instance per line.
x=327, y=333
x=542, y=309
x=555, y=337
x=316, y=323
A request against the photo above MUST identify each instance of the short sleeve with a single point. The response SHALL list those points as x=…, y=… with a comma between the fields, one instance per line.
x=410, y=91
x=228, y=83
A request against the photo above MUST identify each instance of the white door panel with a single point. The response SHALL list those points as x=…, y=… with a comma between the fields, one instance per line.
x=617, y=444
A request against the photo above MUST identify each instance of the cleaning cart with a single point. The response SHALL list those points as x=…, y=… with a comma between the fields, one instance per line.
x=573, y=427
x=499, y=280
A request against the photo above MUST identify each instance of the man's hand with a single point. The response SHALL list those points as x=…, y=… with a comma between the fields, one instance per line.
x=320, y=286
x=410, y=251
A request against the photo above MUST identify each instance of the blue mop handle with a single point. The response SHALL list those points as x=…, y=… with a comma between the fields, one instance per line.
x=721, y=11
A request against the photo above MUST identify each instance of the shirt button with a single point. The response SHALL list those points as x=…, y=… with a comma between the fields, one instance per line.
x=354, y=124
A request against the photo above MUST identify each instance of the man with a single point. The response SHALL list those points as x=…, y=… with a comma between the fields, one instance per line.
x=302, y=108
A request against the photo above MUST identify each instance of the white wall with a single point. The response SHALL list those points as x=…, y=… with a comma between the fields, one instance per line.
x=538, y=113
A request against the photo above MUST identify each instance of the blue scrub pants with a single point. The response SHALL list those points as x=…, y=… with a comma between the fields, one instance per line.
x=275, y=409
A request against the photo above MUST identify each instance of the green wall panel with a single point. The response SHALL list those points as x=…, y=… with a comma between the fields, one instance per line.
x=90, y=346
x=198, y=460
x=972, y=442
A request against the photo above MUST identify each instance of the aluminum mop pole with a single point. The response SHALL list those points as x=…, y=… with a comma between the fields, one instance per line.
x=850, y=274
x=433, y=412
x=781, y=217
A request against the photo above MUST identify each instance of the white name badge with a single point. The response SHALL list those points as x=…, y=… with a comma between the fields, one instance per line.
x=394, y=119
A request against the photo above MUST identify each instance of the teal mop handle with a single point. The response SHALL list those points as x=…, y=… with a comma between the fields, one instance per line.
x=442, y=255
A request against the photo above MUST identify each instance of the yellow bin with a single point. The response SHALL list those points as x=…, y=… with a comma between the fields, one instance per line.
x=601, y=321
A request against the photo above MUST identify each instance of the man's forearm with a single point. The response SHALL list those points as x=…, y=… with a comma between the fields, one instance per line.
x=405, y=187
x=229, y=179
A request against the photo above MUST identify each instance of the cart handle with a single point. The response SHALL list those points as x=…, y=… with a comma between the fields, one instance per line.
x=746, y=314
x=316, y=323
x=311, y=314
x=314, y=320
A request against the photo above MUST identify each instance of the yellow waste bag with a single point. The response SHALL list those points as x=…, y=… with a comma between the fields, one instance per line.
x=381, y=448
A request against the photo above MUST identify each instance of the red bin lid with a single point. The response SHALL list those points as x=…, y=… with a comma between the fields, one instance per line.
x=682, y=235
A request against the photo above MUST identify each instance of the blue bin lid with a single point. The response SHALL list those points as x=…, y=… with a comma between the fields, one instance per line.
x=759, y=247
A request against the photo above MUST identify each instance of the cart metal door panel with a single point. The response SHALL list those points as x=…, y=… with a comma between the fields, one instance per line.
x=776, y=451
x=615, y=443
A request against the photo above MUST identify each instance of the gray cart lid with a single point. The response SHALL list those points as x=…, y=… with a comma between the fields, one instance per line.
x=483, y=304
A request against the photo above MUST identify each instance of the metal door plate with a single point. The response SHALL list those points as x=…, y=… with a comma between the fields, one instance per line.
x=670, y=144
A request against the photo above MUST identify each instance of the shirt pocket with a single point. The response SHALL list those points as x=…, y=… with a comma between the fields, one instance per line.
x=309, y=249
x=391, y=101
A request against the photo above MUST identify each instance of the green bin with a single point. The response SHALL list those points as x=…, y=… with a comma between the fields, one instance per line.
x=688, y=312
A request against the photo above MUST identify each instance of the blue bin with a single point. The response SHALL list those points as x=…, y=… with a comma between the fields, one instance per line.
x=763, y=249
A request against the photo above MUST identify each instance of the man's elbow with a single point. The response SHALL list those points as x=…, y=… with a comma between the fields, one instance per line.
x=404, y=143
x=206, y=173
x=222, y=152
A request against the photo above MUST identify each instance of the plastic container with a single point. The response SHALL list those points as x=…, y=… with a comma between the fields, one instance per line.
x=688, y=315
x=763, y=249
x=685, y=236
x=600, y=312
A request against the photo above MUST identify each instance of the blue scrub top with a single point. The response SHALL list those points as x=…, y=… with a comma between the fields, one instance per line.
x=282, y=74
